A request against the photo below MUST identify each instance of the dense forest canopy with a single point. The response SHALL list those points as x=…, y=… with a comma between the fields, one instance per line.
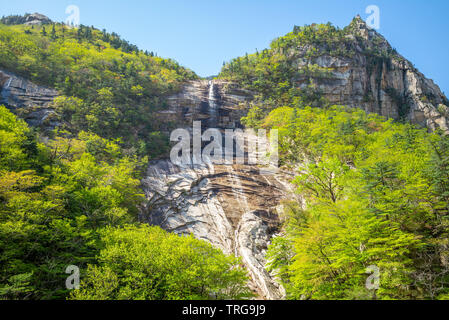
x=375, y=192
x=69, y=202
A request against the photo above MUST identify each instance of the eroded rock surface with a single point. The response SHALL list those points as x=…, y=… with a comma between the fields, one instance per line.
x=233, y=207
x=27, y=99
x=36, y=19
x=192, y=103
x=388, y=85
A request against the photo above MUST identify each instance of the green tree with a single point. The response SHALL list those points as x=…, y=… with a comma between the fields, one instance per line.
x=53, y=33
x=149, y=263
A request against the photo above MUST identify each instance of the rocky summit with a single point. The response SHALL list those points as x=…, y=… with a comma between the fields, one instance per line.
x=36, y=19
x=388, y=85
x=354, y=66
x=29, y=19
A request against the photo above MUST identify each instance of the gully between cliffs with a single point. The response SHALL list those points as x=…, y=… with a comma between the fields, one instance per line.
x=234, y=206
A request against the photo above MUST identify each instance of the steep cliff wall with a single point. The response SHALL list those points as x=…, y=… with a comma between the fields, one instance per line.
x=234, y=206
x=390, y=86
x=355, y=66
x=231, y=206
x=28, y=100
x=192, y=104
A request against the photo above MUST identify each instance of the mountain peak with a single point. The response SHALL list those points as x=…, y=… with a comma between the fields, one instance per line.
x=27, y=19
x=360, y=28
x=36, y=19
x=359, y=23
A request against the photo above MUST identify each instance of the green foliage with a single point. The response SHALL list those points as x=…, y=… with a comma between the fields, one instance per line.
x=14, y=139
x=107, y=86
x=17, y=286
x=254, y=118
x=375, y=194
x=147, y=263
x=73, y=201
x=336, y=246
x=53, y=199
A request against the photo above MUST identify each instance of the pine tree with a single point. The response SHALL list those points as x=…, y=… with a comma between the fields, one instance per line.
x=79, y=33
x=53, y=32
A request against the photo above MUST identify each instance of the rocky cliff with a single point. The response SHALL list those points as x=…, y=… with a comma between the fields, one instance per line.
x=390, y=85
x=28, y=100
x=232, y=206
x=192, y=103
x=354, y=66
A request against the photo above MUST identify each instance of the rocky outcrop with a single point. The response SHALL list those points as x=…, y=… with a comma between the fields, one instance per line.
x=233, y=207
x=27, y=19
x=192, y=104
x=374, y=77
x=28, y=100
x=36, y=19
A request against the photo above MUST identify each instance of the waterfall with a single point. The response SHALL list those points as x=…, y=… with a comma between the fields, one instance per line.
x=4, y=94
x=213, y=106
x=8, y=84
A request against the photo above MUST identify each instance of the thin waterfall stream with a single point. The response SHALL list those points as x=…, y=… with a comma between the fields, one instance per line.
x=213, y=106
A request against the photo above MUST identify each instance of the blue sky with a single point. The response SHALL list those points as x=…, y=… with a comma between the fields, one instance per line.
x=201, y=34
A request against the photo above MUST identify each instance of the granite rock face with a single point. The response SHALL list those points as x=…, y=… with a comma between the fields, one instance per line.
x=27, y=19
x=235, y=207
x=390, y=86
x=36, y=19
x=28, y=100
x=192, y=103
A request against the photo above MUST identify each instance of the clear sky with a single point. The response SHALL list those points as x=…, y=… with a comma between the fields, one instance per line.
x=201, y=34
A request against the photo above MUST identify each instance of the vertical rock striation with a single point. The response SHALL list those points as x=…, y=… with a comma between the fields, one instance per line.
x=192, y=103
